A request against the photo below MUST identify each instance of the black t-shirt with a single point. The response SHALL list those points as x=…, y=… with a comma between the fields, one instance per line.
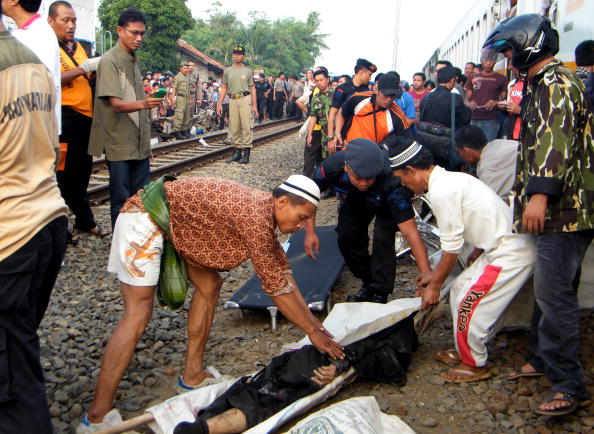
x=342, y=93
x=261, y=88
x=386, y=191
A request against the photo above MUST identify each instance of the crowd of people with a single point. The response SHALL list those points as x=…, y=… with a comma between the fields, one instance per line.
x=505, y=166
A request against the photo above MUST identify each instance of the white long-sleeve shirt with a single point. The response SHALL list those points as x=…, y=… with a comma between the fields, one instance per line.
x=466, y=209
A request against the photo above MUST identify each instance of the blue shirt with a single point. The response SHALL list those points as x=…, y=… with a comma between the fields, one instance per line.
x=407, y=103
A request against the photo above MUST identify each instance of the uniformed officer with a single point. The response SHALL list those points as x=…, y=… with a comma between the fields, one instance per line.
x=195, y=86
x=238, y=82
x=180, y=91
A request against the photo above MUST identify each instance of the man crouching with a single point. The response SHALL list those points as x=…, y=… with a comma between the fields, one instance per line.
x=467, y=210
x=214, y=225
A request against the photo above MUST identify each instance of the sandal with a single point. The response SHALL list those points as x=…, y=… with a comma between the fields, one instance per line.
x=468, y=374
x=97, y=231
x=71, y=239
x=570, y=399
x=518, y=373
x=448, y=357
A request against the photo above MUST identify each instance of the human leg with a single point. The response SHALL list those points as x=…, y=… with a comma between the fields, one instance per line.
x=200, y=316
x=555, y=326
x=246, y=121
x=490, y=128
x=312, y=155
x=26, y=280
x=235, y=122
x=119, y=187
x=73, y=181
x=138, y=309
x=140, y=173
x=383, y=256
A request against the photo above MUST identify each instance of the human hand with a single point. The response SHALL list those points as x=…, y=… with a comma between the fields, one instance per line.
x=473, y=256
x=472, y=105
x=90, y=65
x=312, y=245
x=255, y=111
x=429, y=296
x=534, y=214
x=308, y=141
x=323, y=341
x=151, y=102
x=490, y=104
x=514, y=108
x=331, y=145
x=423, y=280
x=324, y=375
x=219, y=109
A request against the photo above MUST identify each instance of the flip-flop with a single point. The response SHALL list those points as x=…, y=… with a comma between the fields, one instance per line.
x=98, y=232
x=449, y=357
x=517, y=373
x=573, y=405
x=472, y=376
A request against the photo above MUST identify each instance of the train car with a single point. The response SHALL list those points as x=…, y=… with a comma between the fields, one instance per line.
x=86, y=21
x=572, y=19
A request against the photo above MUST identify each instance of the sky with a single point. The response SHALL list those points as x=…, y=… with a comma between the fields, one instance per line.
x=355, y=32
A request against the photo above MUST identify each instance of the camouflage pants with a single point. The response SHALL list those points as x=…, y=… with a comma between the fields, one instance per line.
x=181, y=117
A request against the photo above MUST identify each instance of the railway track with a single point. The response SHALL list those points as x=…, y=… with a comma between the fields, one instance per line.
x=183, y=155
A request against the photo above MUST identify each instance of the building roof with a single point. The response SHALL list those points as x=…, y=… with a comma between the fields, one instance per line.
x=199, y=54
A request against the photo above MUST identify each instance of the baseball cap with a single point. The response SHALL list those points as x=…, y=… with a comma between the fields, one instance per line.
x=389, y=84
x=364, y=157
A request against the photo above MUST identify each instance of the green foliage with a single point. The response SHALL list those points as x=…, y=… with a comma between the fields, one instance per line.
x=166, y=21
x=286, y=44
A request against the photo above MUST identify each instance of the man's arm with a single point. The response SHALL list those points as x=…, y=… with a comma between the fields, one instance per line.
x=312, y=242
x=469, y=101
x=411, y=233
x=222, y=96
x=294, y=308
x=339, y=124
x=310, y=127
x=120, y=106
x=71, y=74
x=254, y=100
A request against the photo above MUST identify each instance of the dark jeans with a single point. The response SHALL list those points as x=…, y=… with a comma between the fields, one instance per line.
x=555, y=330
x=378, y=270
x=224, y=113
x=26, y=281
x=261, y=108
x=489, y=127
x=270, y=107
x=125, y=179
x=279, y=104
x=312, y=155
x=74, y=179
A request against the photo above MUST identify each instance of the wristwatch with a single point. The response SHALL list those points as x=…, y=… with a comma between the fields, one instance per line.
x=330, y=137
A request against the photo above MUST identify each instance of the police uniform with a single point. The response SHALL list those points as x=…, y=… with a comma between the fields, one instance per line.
x=181, y=117
x=239, y=81
x=195, y=90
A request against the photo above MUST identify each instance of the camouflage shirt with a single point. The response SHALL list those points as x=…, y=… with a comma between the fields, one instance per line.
x=556, y=154
x=320, y=106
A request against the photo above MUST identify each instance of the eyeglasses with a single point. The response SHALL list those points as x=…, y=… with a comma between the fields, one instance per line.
x=135, y=32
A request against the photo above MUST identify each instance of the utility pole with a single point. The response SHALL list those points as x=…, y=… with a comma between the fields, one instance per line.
x=396, y=29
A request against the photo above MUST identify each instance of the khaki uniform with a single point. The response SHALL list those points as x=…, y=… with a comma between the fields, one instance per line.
x=239, y=81
x=195, y=91
x=181, y=119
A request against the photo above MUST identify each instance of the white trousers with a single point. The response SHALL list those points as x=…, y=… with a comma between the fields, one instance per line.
x=484, y=290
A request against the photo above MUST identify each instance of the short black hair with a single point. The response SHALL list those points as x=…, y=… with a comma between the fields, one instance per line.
x=471, y=136
x=30, y=5
x=293, y=198
x=430, y=83
x=420, y=74
x=443, y=62
x=323, y=72
x=131, y=15
x=584, y=53
x=471, y=63
x=347, y=77
x=52, y=12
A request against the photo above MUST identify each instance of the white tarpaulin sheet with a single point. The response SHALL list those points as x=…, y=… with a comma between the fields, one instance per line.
x=348, y=322
x=360, y=415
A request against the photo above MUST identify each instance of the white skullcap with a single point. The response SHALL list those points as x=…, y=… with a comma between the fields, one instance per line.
x=302, y=186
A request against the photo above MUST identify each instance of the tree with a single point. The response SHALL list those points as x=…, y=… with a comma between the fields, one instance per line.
x=286, y=44
x=166, y=21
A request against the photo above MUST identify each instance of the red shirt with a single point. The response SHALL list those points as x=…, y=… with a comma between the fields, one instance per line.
x=515, y=96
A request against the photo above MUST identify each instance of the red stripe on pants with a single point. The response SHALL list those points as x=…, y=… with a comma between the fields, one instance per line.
x=467, y=307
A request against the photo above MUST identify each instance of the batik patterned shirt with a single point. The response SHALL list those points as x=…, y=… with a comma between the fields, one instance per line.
x=556, y=154
x=219, y=224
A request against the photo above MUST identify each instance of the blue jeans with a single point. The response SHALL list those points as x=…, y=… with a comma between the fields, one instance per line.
x=125, y=179
x=490, y=128
x=555, y=330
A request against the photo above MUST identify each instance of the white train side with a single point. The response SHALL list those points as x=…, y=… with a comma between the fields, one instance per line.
x=571, y=18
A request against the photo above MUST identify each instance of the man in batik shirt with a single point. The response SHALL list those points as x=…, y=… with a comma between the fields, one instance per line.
x=317, y=137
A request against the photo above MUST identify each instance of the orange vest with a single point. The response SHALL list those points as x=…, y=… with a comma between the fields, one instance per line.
x=371, y=122
x=77, y=94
